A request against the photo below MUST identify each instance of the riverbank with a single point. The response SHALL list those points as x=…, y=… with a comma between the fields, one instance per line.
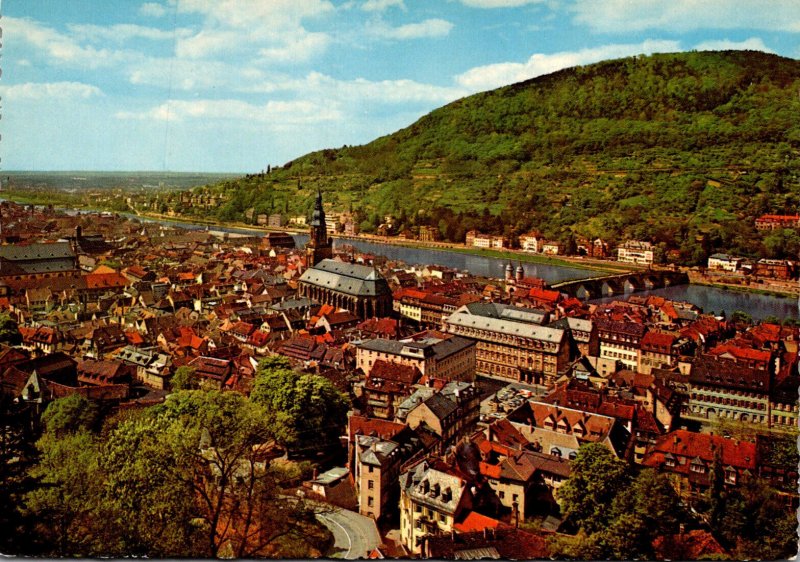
x=583, y=263
x=747, y=289
x=510, y=255
x=776, y=288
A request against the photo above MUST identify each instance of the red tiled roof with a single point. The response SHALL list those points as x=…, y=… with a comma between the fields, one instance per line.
x=476, y=522
x=360, y=425
x=105, y=280
x=744, y=353
x=544, y=295
x=682, y=443
x=505, y=433
x=693, y=545
x=657, y=341
x=386, y=370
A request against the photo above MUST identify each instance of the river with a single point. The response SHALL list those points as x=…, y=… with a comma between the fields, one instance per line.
x=710, y=299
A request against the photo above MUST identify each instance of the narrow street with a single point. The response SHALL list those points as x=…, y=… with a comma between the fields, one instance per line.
x=355, y=535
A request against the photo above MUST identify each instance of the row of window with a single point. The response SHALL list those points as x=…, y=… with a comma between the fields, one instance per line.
x=729, y=401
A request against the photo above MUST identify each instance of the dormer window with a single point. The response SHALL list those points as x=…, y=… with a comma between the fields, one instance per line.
x=730, y=475
x=698, y=466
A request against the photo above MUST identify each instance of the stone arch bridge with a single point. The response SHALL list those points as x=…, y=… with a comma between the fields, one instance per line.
x=620, y=284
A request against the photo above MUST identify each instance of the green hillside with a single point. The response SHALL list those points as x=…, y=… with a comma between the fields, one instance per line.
x=681, y=149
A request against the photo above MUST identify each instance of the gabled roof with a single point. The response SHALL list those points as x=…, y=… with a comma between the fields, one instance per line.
x=350, y=279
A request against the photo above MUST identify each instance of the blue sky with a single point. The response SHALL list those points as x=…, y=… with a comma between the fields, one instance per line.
x=234, y=85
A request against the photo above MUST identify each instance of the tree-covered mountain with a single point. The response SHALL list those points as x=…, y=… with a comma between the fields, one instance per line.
x=682, y=149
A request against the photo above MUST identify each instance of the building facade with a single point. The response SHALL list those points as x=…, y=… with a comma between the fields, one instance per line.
x=510, y=345
x=637, y=252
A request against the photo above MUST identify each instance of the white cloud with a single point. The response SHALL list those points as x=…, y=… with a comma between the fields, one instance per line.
x=124, y=32
x=273, y=29
x=499, y=3
x=60, y=48
x=352, y=93
x=382, y=5
x=246, y=13
x=297, y=112
x=190, y=75
x=298, y=49
x=622, y=16
x=49, y=91
x=501, y=74
x=429, y=28
x=152, y=9
x=751, y=44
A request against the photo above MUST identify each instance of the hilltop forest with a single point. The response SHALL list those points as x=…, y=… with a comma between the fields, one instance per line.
x=684, y=150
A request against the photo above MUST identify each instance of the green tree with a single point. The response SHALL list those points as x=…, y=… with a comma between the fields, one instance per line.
x=649, y=507
x=199, y=485
x=309, y=413
x=9, y=330
x=755, y=523
x=184, y=379
x=65, y=502
x=596, y=477
x=71, y=414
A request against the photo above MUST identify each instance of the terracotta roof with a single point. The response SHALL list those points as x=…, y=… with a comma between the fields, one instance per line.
x=474, y=521
x=744, y=353
x=360, y=425
x=389, y=371
x=682, y=443
x=692, y=545
x=544, y=295
x=502, y=542
x=658, y=342
x=111, y=280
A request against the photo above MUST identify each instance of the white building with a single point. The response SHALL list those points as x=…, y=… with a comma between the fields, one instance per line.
x=724, y=262
x=636, y=251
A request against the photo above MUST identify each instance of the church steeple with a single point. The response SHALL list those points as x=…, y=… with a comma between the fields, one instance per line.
x=319, y=246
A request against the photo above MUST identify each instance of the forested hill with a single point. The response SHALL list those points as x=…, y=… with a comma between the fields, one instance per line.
x=681, y=149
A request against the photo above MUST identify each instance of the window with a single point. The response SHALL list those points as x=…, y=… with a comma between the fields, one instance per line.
x=371, y=468
x=502, y=495
x=699, y=468
x=370, y=501
x=370, y=485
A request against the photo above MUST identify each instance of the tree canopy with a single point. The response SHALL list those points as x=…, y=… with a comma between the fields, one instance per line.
x=308, y=412
x=189, y=477
x=617, y=514
x=683, y=149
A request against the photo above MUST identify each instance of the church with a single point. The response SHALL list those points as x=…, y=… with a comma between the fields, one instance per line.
x=358, y=288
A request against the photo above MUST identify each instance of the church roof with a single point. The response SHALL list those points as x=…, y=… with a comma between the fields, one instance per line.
x=347, y=278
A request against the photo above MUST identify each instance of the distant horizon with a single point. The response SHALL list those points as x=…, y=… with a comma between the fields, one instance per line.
x=204, y=173
x=169, y=85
